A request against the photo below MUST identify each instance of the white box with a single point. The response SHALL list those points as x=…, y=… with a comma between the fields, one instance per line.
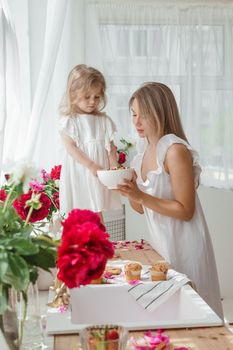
x=95, y=304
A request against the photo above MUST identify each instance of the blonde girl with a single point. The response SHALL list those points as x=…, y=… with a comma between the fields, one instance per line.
x=87, y=135
x=164, y=189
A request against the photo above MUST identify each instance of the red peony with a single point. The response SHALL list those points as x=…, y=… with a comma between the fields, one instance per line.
x=55, y=172
x=3, y=195
x=84, y=250
x=78, y=217
x=37, y=214
x=122, y=158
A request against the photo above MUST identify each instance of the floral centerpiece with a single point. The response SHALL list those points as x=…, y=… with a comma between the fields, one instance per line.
x=24, y=202
x=84, y=250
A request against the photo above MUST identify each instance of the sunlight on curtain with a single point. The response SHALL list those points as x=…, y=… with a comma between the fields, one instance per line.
x=189, y=48
x=10, y=105
x=56, y=12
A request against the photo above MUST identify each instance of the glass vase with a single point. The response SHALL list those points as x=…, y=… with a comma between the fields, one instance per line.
x=9, y=321
x=29, y=319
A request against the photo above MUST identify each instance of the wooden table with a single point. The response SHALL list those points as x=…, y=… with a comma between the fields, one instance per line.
x=209, y=338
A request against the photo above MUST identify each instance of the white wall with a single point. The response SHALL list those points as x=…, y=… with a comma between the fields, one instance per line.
x=218, y=208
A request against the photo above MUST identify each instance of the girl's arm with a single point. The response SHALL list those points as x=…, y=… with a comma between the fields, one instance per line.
x=113, y=156
x=178, y=164
x=79, y=156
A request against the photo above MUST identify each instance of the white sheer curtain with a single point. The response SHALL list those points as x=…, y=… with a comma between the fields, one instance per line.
x=56, y=12
x=10, y=101
x=50, y=35
x=186, y=45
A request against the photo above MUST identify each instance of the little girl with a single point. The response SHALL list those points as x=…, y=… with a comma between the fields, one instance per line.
x=87, y=134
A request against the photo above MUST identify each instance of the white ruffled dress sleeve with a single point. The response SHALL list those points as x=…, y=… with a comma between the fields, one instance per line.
x=67, y=126
x=168, y=140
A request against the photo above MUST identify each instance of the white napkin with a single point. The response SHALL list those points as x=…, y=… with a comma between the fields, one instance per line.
x=152, y=294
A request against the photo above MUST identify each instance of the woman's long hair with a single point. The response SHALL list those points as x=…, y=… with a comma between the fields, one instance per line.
x=157, y=104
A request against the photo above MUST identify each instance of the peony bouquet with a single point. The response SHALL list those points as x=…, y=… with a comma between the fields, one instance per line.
x=26, y=200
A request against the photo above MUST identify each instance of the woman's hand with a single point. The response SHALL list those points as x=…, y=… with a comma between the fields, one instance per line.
x=130, y=189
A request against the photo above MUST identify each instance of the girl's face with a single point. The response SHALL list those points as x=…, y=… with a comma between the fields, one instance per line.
x=143, y=126
x=88, y=102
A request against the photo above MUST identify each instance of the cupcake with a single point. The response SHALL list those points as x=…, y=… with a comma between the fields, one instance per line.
x=158, y=271
x=133, y=271
x=113, y=271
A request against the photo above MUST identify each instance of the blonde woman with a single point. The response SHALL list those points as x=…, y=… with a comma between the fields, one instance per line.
x=164, y=189
x=87, y=134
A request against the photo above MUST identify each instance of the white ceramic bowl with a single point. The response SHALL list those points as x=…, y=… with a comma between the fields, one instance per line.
x=112, y=178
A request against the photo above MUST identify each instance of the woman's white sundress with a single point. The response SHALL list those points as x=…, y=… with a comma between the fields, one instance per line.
x=79, y=188
x=186, y=245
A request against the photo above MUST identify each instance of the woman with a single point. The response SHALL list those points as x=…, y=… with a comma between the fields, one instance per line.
x=164, y=189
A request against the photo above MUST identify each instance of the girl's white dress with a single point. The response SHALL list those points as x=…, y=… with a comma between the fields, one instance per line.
x=78, y=187
x=186, y=245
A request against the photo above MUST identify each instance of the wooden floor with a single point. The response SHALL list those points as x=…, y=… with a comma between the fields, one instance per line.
x=214, y=338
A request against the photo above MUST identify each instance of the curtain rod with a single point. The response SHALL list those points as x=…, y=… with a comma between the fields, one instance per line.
x=161, y=2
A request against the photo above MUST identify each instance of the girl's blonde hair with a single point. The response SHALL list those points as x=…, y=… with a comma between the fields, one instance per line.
x=80, y=80
x=157, y=104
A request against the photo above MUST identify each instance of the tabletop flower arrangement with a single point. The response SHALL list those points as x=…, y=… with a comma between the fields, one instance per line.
x=24, y=202
x=84, y=250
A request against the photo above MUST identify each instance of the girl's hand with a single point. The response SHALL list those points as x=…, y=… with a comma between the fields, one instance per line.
x=94, y=167
x=130, y=189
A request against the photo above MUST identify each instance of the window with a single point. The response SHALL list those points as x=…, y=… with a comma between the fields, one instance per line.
x=195, y=60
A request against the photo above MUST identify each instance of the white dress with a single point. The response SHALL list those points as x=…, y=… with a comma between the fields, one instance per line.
x=79, y=188
x=186, y=245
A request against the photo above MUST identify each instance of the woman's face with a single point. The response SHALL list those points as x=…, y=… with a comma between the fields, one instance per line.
x=143, y=126
x=89, y=102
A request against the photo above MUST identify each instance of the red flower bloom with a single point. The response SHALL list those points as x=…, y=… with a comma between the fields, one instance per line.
x=122, y=158
x=55, y=172
x=37, y=214
x=78, y=217
x=84, y=250
x=56, y=199
x=3, y=195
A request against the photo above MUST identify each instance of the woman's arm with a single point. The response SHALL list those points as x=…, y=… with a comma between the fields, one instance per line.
x=79, y=156
x=178, y=164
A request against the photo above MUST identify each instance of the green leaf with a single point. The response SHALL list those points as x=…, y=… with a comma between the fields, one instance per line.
x=17, y=274
x=46, y=258
x=3, y=264
x=23, y=246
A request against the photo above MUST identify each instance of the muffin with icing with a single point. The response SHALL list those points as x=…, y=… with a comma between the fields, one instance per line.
x=158, y=271
x=133, y=271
